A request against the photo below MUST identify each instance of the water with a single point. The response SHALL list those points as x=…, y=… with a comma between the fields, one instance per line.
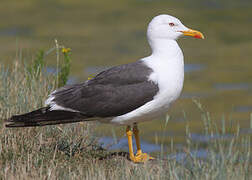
x=15, y=31
x=243, y=109
x=110, y=144
x=182, y=157
x=206, y=138
x=122, y=144
x=53, y=70
x=194, y=67
x=232, y=86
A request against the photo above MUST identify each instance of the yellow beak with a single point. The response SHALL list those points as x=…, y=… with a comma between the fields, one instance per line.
x=193, y=33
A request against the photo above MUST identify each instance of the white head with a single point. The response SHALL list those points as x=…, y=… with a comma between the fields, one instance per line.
x=168, y=27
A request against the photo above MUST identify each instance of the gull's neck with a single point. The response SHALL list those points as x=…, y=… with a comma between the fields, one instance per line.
x=167, y=63
x=165, y=48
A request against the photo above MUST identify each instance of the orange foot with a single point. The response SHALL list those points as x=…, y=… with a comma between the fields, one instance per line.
x=141, y=158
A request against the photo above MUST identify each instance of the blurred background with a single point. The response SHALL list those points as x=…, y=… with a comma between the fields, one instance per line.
x=102, y=34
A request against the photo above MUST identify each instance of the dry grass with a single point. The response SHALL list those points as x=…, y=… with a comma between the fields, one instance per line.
x=71, y=151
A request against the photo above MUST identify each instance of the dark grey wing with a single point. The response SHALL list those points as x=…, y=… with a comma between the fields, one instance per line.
x=113, y=92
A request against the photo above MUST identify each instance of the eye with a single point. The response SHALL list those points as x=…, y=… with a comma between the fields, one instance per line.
x=171, y=24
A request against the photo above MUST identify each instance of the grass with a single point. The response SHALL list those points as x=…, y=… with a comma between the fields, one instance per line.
x=72, y=152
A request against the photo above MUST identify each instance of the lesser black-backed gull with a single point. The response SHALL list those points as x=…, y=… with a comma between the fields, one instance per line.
x=126, y=94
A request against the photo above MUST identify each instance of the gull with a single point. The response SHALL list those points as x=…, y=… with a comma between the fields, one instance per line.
x=123, y=95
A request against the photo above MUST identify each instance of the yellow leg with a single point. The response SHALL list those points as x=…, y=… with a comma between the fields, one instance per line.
x=136, y=134
x=139, y=153
x=129, y=135
x=140, y=157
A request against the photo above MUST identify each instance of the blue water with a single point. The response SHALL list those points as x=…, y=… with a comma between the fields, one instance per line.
x=243, y=109
x=194, y=67
x=206, y=138
x=16, y=31
x=110, y=144
x=232, y=86
x=182, y=156
x=52, y=70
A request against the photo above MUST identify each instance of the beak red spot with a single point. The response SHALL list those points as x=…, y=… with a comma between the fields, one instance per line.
x=197, y=36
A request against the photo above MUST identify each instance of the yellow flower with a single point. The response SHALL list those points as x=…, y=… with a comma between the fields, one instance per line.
x=65, y=50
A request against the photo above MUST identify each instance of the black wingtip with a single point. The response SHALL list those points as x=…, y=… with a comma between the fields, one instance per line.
x=15, y=125
x=43, y=117
x=12, y=122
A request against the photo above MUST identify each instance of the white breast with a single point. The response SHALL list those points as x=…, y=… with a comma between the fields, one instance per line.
x=168, y=73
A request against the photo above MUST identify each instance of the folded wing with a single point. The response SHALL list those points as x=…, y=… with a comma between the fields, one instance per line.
x=111, y=93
